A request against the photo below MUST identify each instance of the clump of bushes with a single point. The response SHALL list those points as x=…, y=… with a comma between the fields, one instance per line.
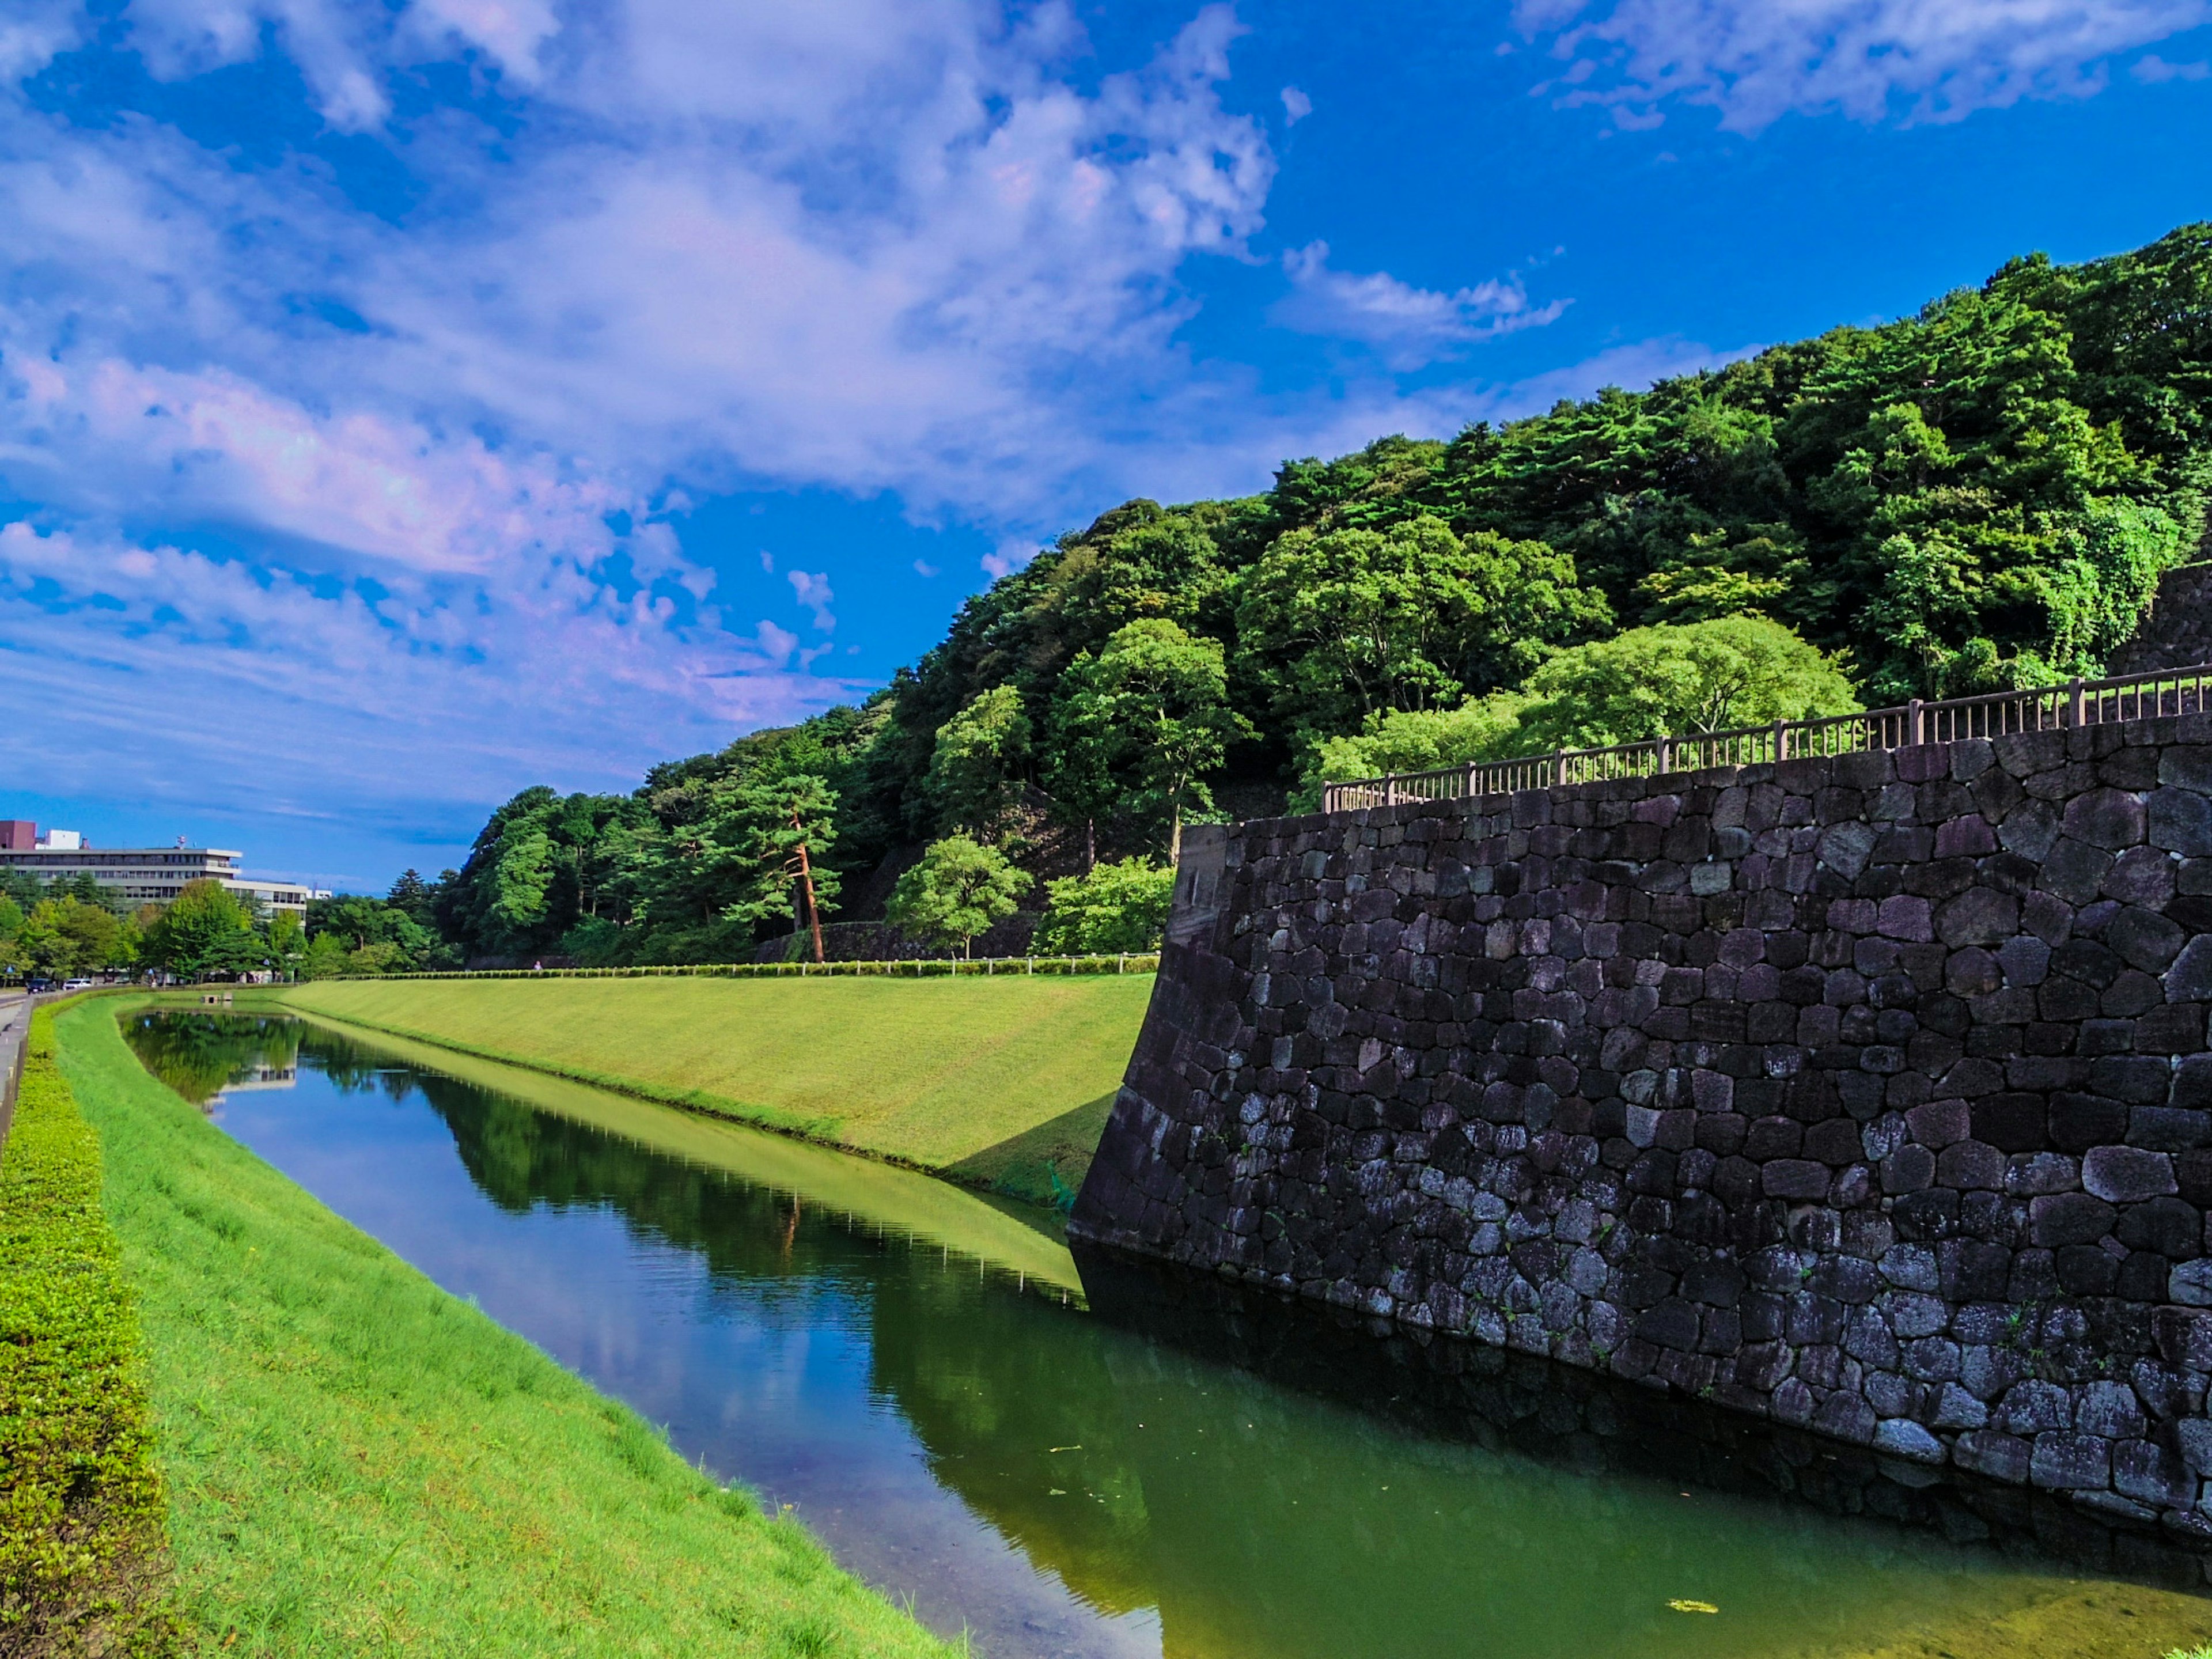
x=83, y=1557
x=1116, y=907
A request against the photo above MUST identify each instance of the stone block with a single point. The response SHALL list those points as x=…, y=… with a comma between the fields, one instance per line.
x=2191, y=1284
x=1980, y=915
x=2171, y=1227
x=2180, y=821
x=2069, y=1218
x=2000, y=1456
x=1971, y=1166
x=2184, y=1336
x=2110, y=1410
x=1901, y=1436
x=2187, y=766
x=2126, y=1174
x=2189, y=979
x=2193, y=1436
x=2106, y=817
x=2079, y=1121
x=2151, y=1473
x=1955, y=1408
x=2030, y=1175
x=2141, y=875
x=2071, y=1463
x=2074, y=871
x=2143, y=939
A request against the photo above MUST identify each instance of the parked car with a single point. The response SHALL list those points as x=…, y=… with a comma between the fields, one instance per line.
x=76, y=984
x=35, y=987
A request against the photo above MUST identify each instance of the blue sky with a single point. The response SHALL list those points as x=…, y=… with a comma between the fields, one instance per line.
x=406, y=401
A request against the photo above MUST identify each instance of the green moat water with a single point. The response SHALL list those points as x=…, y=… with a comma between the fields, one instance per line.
x=1010, y=1442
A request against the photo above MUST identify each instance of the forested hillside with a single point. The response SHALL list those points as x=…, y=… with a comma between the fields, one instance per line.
x=1982, y=495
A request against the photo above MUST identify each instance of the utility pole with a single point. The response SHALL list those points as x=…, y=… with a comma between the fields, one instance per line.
x=806, y=875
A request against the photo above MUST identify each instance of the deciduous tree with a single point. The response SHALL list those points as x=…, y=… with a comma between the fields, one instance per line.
x=956, y=891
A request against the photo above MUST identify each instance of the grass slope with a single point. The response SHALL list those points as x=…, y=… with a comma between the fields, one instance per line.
x=1003, y=1082
x=1017, y=1237
x=359, y=1463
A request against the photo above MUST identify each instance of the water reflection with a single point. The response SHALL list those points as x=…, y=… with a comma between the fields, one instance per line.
x=1180, y=1476
x=200, y=1056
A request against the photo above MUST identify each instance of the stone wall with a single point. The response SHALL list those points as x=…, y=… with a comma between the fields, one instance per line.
x=1870, y=1094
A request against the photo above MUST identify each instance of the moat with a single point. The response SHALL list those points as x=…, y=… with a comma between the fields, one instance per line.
x=1013, y=1444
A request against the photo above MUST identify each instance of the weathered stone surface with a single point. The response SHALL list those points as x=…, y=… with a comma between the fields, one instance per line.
x=1869, y=1093
x=2127, y=1175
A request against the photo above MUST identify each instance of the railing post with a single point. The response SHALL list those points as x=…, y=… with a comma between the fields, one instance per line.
x=1915, y=717
x=1559, y=768
x=1781, y=741
x=1664, y=744
x=1474, y=779
x=2077, y=708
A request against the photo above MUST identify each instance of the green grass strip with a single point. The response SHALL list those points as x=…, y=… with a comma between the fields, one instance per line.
x=84, y=1565
x=360, y=1463
x=1002, y=1084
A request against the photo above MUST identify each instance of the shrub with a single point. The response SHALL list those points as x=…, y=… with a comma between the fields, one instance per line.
x=957, y=890
x=83, y=1557
x=1116, y=907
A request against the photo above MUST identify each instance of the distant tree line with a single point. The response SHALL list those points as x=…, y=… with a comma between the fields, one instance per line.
x=1980, y=496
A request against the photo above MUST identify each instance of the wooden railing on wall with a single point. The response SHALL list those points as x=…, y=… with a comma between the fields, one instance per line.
x=2049, y=708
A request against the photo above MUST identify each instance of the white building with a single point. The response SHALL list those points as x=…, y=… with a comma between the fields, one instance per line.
x=156, y=875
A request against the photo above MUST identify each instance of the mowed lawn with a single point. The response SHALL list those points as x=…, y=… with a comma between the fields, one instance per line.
x=359, y=1463
x=1004, y=1081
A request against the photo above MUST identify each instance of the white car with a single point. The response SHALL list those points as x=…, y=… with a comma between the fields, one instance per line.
x=76, y=984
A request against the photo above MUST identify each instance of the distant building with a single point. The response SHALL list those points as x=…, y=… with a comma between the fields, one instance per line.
x=18, y=834
x=143, y=875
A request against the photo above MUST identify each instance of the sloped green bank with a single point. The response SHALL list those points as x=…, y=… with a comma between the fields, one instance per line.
x=1002, y=1083
x=359, y=1463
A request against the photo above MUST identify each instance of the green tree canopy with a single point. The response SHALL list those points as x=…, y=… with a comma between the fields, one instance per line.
x=1151, y=711
x=957, y=890
x=1115, y=907
x=1660, y=682
x=206, y=930
x=975, y=773
x=1347, y=624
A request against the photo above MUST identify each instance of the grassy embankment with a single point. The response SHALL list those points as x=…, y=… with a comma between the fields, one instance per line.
x=1002, y=1083
x=359, y=1463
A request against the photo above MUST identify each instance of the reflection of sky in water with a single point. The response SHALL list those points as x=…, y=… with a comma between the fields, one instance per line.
x=767, y=1383
x=977, y=1452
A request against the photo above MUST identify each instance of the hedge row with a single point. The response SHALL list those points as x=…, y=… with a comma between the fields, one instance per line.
x=83, y=1557
x=927, y=969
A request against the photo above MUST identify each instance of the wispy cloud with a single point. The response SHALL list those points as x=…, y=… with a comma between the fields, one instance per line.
x=1409, y=326
x=861, y=245
x=1916, y=60
x=811, y=590
x=2153, y=69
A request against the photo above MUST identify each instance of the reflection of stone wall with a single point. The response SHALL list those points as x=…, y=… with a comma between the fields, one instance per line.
x=1446, y=1388
x=1868, y=1094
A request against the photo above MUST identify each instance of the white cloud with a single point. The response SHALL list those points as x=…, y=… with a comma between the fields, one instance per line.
x=174, y=668
x=1921, y=60
x=2153, y=69
x=1296, y=106
x=1408, y=325
x=34, y=31
x=863, y=246
x=811, y=590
